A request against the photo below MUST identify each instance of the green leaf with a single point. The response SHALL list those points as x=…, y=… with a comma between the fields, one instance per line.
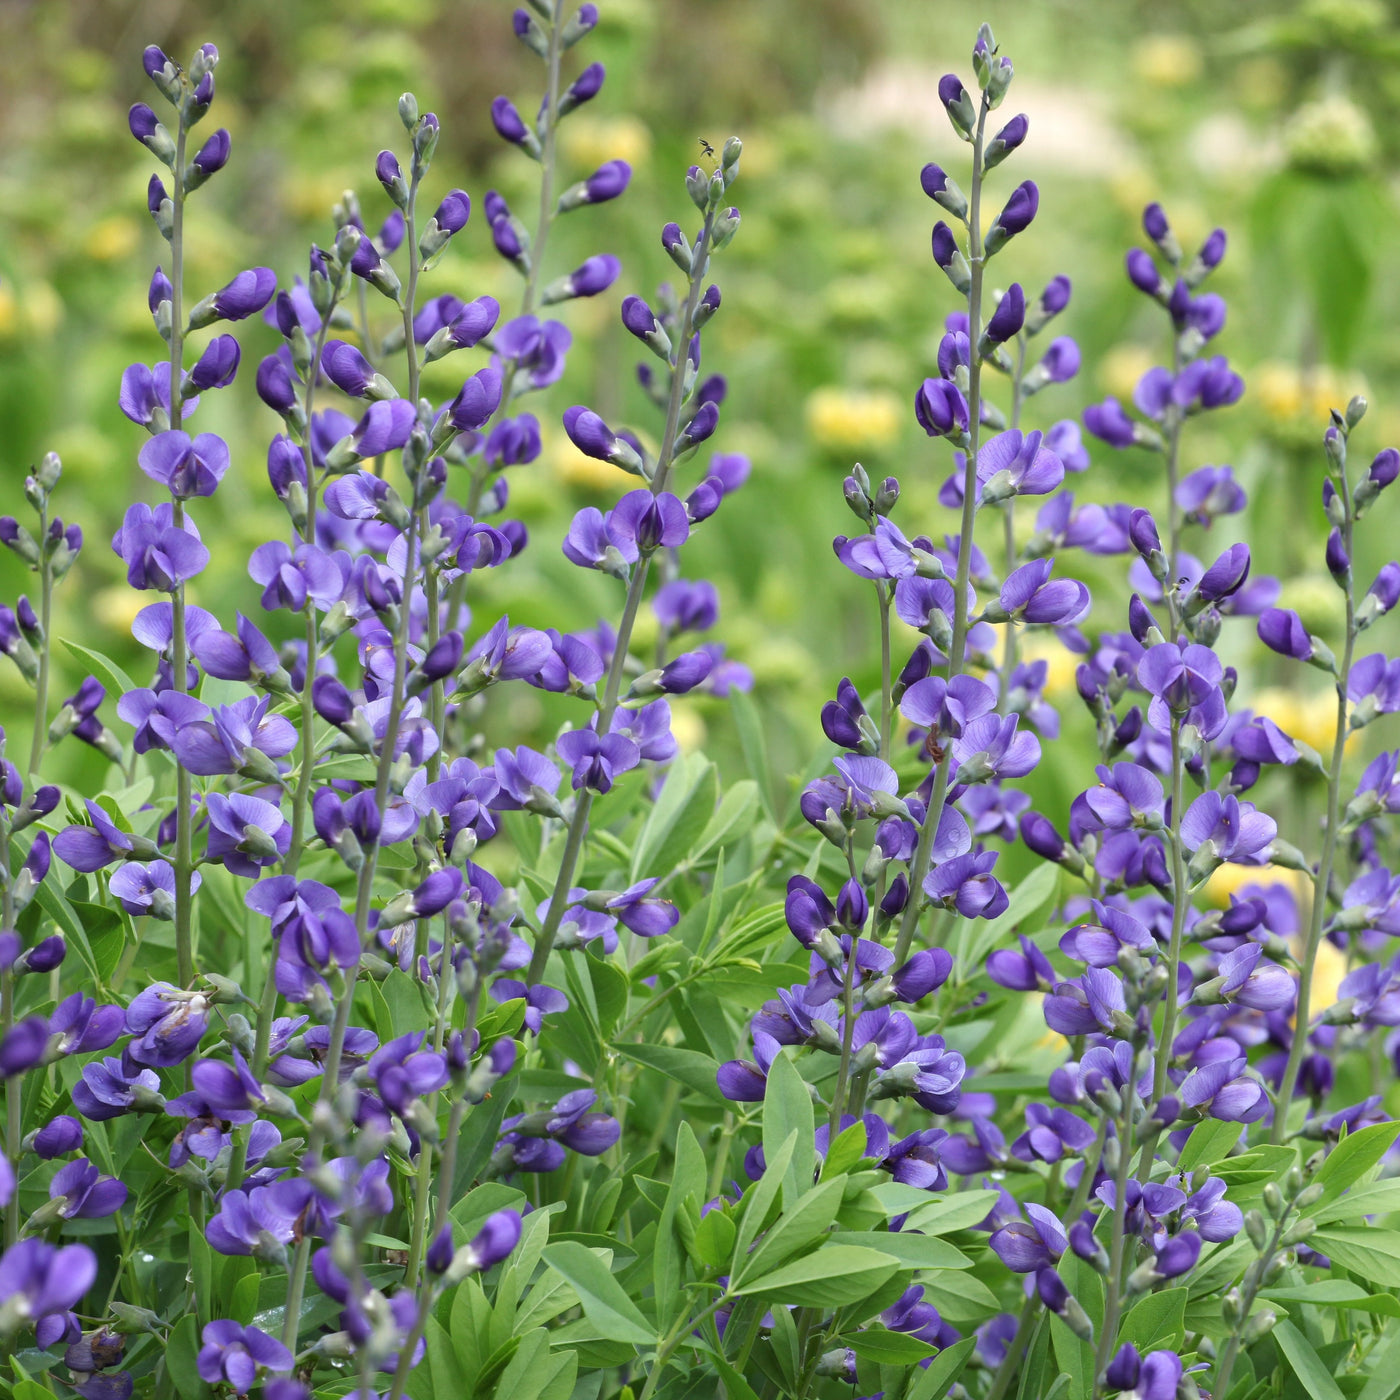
x=1158, y=1320
x=798, y=1228
x=1353, y=1157
x=835, y=1275
x=681, y=814
x=610, y=990
x=714, y=1239
x=752, y=742
x=959, y=1211
x=181, y=1355
x=687, y=1180
x=31, y=1390
x=844, y=1152
x=604, y=1302
x=107, y=670
x=787, y=1107
x=1027, y=902
x=1336, y=1293
x=1384, y=1379
x=1373, y=1254
x=1209, y=1143
x=887, y=1348
x=760, y=1198
x=961, y=1298
x=942, y=1371
x=913, y=1251
x=689, y=1067
x=1305, y=1362
x=731, y=821
x=1377, y=1198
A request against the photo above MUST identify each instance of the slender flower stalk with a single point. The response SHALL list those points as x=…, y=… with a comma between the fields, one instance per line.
x=179, y=653
x=977, y=266
x=1322, y=877
x=578, y=822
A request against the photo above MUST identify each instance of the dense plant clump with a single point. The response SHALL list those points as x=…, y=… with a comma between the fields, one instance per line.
x=345, y=1052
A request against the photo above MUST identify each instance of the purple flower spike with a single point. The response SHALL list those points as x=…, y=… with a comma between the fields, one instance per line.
x=189, y=467
x=37, y=1280
x=232, y=1354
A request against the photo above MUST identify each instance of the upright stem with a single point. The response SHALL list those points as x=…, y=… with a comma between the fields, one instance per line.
x=1010, y=640
x=1181, y=902
x=330, y=1075
x=180, y=657
x=40, y=738
x=977, y=263
x=7, y=1019
x=537, y=246
x=578, y=824
x=301, y=794
x=1113, y=1282
x=1323, y=877
x=886, y=672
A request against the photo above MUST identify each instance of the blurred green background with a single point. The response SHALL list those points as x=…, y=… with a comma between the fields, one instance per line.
x=1276, y=120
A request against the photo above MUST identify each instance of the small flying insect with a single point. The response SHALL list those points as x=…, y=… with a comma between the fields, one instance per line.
x=706, y=149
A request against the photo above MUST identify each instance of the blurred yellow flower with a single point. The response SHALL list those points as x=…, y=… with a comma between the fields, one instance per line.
x=116, y=607
x=111, y=239
x=35, y=310
x=1167, y=60
x=1122, y=367
x=687, y=727
x=1132, y=188
x=1310, y=718
x=1329, y=967
x=1061, y=663
x=1286, y=391
x=569, y=464
x=589, y=141
x=850, y=419
x=1230, y=879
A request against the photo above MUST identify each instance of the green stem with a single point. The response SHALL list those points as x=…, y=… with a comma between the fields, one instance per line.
x=1323, y=878
x=923, y=854
x=13, y=1125
x=1113, y=1283
x=1010, y=640
x=1181, y=902
x=1006, y=1372
x=578, y=824
x=39, y=741
x=538, y=240
x=330, y=1074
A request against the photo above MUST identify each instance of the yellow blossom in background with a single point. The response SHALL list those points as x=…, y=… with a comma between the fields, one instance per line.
x=590, y=140
x=35, y=309
x=571, y=465
x=112, y=239
x=1167, y=60
x=1132, y=189
x=852, y=419
x=1231, y=879
x=1122, y=367
x=687, y=727
x=1309, y=718
x=1285, y=391
x=1061, y=663
x=1329, y=967
x=116, y=607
